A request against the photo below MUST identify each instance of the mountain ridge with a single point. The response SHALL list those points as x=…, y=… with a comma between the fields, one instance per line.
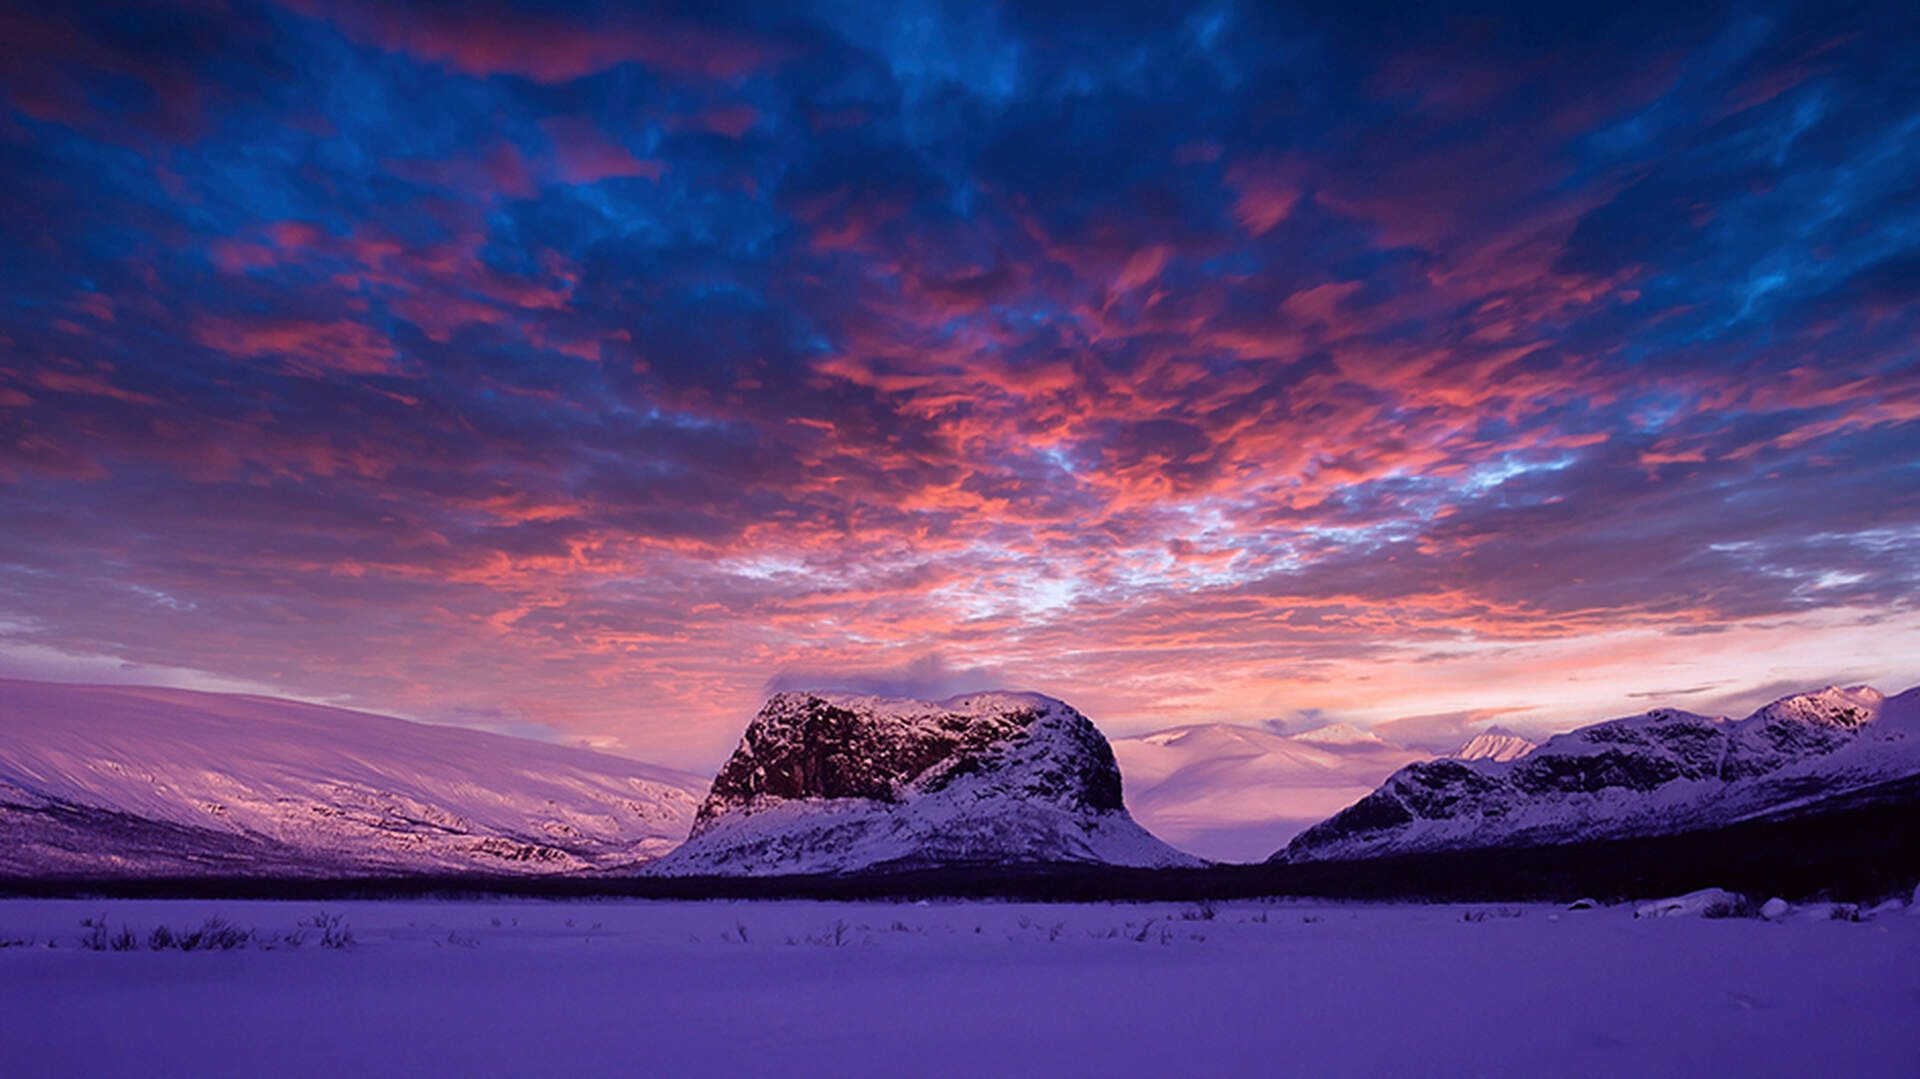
x=224, y=780
x=1660, y=772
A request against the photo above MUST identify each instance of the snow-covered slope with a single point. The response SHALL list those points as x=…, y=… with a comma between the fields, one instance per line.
x=1339, y=734
x=135, y=780
x=1236, y=793
x=1494, y=744
x=1661, y=772
x=844, y=783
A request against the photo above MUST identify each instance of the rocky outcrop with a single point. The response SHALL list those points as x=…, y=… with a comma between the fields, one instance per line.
x=1660, y=772
x=842, y=783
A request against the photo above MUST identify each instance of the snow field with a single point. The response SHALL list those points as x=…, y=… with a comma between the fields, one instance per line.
x=631, y=988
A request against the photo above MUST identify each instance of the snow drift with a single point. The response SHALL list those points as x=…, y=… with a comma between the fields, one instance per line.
x=845, y=783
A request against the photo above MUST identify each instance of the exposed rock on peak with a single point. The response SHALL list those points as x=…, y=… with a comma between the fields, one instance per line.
x=1663, y=771
x=824, y=745
x=840, y=783
x=1841, y=709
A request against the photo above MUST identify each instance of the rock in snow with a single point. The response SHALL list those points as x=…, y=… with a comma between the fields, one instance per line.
x=1776, y=908
x=1829, y=912
x=1661, y=772
x=1707, y=902
x=844, y=783
x=134, y=780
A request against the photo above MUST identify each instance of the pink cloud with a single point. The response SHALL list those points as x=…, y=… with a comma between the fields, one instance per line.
x=493, y=39
x=732, y=121
x=584, y=155
x=312, y=347
x=1268, y=192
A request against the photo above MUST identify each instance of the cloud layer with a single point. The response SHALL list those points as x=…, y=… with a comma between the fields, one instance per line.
x=586, y=369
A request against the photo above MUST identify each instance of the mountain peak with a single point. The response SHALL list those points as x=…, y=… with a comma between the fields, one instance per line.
x=844, y=782
x=1663, y=771
x=1495, y=744
x=1340, y=734
x=1833, y=706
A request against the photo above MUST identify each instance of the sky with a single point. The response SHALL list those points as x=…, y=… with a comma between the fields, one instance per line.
x=590, y=371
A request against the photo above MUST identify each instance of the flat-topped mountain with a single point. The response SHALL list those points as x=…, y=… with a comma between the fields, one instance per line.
x=843, y=783
x=1662, y=772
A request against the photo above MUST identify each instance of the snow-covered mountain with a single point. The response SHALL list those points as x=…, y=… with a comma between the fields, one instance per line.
x=1662, y=772
x=1494, y=744
x=1235, y=793
x=1339, y=734
x=126, y=780
x=846, y=783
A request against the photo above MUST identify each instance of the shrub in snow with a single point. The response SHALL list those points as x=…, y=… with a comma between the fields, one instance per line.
x=1775, y=908
x=1705, y=903
x=95, y=938
x=1483, y=915
x=1833, y=912
x=333, y=928
x=214, y=934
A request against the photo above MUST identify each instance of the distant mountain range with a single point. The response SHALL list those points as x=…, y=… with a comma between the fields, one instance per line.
x=131, y=782
x=134, y=781
x=1234, y=793
x=1660, y=773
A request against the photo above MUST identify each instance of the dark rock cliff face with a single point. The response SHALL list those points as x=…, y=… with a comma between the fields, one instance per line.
x=832, y=783
x=806, y=745
x=1660, y=771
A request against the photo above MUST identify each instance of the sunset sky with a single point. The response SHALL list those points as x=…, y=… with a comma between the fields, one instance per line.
x=589, y=375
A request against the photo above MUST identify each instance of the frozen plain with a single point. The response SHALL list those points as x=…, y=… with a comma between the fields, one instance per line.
x=637, y=988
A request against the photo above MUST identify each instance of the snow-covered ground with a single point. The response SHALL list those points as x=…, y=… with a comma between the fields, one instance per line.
x=626, y=988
